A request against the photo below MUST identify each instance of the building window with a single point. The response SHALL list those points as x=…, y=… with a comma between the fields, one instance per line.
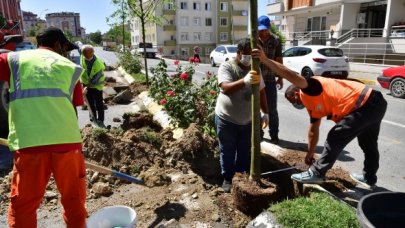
x=196, y=6
x=185, y=51
x=197, y=21
x=316, y=24
x=208, y=22
x=183, y=5
x=169, y=6
x=184, y=21
x=223, y=21
x=223, y=36
x=197, y=36
x=224, y=6
x=208, y=36
x=208, y=51
x=184, y=36
x=208, y=6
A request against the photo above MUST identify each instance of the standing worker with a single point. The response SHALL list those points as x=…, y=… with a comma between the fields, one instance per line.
x=356, y=109
x=43, y=131
x=233, y=115
x=93, y=82
x=271, y=46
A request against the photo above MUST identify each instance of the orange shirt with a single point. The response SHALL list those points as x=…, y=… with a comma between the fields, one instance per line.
x=338, y=98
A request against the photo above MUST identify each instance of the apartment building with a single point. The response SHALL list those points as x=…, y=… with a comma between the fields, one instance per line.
x=323, y=19
x=202, y=23
x=32, y=24
x=10, y=10
x=66, y=21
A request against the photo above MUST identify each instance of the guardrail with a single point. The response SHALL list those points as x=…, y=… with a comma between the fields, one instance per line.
x=374, y=53
x=363, y=33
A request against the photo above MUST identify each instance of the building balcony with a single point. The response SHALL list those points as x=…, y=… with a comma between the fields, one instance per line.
x=239, y=13
x=275, y=8
x=170, y=43
x=240, y=27
x=169, y=28
x=169, y=12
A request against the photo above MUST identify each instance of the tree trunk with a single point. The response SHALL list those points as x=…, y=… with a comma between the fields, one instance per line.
x=144, y=43
x=255, y=168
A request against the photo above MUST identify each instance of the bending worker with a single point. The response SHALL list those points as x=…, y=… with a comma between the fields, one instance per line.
x=43, y=131
x=93, y=82
x=356, y=109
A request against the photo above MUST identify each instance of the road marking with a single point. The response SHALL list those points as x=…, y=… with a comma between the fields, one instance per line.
x=392, y=141
x=393, y=123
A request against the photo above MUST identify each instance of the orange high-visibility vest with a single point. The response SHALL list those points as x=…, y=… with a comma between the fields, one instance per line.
x=338, y=98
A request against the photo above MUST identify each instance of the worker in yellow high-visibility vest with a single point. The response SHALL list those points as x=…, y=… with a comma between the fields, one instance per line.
x=43, y=129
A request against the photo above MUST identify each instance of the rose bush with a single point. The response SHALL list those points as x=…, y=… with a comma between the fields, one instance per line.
x=184, y=101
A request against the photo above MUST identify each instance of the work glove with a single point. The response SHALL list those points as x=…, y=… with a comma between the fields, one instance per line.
x=252, y=78
x=264, y=120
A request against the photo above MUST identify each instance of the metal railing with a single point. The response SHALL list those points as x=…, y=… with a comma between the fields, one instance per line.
x=363, y=33
x=375, y=53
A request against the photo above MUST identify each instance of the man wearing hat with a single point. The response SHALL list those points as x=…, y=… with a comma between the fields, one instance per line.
x=272, y=48
x=43, y=132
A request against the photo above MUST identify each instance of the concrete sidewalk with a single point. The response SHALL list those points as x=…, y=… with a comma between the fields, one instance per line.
x=366, y=73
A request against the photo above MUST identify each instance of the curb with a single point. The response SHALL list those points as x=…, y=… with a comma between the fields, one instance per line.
x=366, y=81
x=159, y=114
x=127, y=76
x=155, y=109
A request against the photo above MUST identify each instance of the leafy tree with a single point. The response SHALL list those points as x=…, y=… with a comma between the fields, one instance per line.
x=274, y=30
x=95, y=37
x=115, y=33
x=144, y=12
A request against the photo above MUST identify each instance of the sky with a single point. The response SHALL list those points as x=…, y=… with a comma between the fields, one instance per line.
x=93, y=13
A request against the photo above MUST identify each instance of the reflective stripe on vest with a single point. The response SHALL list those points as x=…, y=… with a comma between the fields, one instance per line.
x=361, y=97
x=19, y=93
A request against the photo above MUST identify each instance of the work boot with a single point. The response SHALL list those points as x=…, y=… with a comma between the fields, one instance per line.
x=100, y=124
x=275, y=140
x=307, y=177
x=226, y=186
x=359, y=178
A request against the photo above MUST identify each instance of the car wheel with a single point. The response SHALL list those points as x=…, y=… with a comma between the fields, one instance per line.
x=307, y=73
x=397, y=87
x=213, y=62
x=3, y=109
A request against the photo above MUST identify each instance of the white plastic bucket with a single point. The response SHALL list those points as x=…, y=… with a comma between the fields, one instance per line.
x=113, y=217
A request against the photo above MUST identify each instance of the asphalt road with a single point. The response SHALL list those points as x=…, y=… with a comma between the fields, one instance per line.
x=294, y=125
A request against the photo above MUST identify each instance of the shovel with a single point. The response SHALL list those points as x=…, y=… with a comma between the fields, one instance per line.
x=299, y=166
x=278, y=170
x=100, y=169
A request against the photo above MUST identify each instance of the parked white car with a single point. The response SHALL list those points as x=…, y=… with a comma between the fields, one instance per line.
x=318, y=60
x=222, y=54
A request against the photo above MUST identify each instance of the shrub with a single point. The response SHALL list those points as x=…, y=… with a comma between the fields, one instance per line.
x=185, y=102
x=130, y=63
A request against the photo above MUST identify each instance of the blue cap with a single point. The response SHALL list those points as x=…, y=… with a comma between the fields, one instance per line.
x=264, y=23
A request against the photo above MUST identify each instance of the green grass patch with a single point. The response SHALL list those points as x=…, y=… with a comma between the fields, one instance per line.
x=139, y=77
x=150, y=136
x=317, y=210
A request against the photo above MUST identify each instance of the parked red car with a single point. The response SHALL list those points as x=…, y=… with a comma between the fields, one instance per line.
x=393, y=78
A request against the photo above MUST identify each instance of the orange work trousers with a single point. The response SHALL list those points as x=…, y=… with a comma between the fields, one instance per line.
x=31, y=173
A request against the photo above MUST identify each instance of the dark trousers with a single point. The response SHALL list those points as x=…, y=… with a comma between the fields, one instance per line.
x=271, y=96
x=95, y=102
x=364, y=124
x=234, y=147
